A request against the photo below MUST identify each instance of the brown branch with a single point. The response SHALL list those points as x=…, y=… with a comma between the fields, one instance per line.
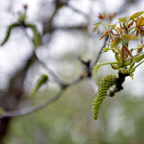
x=54, y=76
x=32, y=109
x=51, y=100
x=41, y=105
x=11, y=99
x=48, y=24
x=78, y=11
x=118, y=86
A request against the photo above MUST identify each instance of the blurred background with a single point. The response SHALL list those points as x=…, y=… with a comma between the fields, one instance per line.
x=66, y=35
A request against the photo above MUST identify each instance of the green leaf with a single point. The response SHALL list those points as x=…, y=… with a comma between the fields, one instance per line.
x=112, y=26
x=97, y=66
x=96, y=26
x=129, y=37
x=123, y=19
x=105, y=49
x=36, y=38
x=142, y=23
x=115, y=42
x=98, y=23
x=135, y=15
x=9, y=31
x=41, y=81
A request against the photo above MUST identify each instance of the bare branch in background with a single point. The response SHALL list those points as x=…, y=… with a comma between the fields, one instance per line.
x=54, y=76
x=32, y=109
x=93, y=85
x=78, y=11
x=40, y=105
x=11, y=99
x=100, y=52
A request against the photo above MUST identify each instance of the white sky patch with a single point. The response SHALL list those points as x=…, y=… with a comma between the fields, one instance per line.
x=65, y=42
x=112, y=5
x=67, y=17
x=82, y=5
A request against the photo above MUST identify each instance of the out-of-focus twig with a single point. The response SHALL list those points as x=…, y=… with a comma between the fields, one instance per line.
x=41, y=105
x=100, y=52
x=78, y=11
x=85, y=74
x=32, y=109
x=93, y=85
x=11, y=99
x=54, y=76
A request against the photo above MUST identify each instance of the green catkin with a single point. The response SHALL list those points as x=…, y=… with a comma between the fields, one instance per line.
x=105, y=83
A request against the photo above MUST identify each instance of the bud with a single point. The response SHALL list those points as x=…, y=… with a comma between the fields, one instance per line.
x=25, y=6
x=111, y=16
x=102, y=16
x=115, y=66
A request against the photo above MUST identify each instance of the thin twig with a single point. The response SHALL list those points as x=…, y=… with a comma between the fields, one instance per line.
x=78, y=11
x=41, y=105
x=100, y=52
x=93, y=85
x=54, y=76
x=33, y=108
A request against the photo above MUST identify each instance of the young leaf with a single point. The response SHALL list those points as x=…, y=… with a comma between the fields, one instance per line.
x=127, y=50
x=98, y=23
x=112, y=26
x=97, y=66
x=142, y=23
x=122, y=19
x=111, y=16
x=125, y=28
x=135, y=15
x=9, y=31
x=41, y=81
x=95, y=28
x=122, y=54
x=36, y=38
x=139, y=21
x=115, y=42
x=102, y=16
x=104, y=35
x=119, y=29
x=129, y=37
x=105, y=49
x=130, y=24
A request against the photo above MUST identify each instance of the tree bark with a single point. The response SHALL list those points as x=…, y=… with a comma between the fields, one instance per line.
x=11, y=99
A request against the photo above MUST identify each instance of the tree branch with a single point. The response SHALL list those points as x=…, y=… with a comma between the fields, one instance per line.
x=41, y=105
x=100, y=52
x=93, y=85
x=32, y=109
x=118, y=86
